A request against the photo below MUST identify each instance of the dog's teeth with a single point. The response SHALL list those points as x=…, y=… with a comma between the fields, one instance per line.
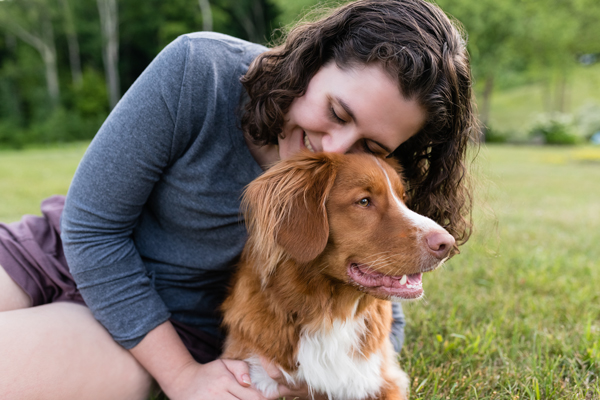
x=403, y=280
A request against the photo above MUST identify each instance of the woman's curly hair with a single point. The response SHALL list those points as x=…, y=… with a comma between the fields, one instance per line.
x=425, y=52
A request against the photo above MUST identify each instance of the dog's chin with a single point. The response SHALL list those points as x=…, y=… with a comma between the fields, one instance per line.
x=386, y=287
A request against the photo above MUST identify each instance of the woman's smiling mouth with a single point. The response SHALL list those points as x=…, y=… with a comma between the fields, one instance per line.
x=307, y=143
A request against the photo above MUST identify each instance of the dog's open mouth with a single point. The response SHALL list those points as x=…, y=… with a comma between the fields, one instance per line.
x=404, y=286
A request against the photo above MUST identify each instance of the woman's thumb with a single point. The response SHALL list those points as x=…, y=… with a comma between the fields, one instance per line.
x=240, y=370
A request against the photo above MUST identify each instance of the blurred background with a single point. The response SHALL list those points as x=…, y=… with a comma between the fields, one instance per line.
x=65, y=63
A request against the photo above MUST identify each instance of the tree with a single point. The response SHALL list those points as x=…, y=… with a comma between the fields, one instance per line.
x=494, y=28
x=30, y=21
x=73, y=43
x=109, y=20
x=207, y=23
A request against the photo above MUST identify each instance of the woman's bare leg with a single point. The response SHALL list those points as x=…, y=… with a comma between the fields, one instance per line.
x=12, y=297
x=59, y=351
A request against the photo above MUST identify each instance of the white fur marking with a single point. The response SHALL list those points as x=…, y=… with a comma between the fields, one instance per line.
x=260, y=379
x=331, y=362
x=423, y=223
x=395, y=373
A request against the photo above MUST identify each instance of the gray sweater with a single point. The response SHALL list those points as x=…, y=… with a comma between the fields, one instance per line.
x=151, y=226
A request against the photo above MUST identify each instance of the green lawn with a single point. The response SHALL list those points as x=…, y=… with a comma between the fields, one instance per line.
x=515, y=316
x=514, y=110
x=29, y=176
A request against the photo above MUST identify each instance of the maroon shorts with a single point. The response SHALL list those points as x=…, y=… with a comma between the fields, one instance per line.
x=31, y=252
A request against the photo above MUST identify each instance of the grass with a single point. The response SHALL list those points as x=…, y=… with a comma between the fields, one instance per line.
x=513, y=110
x=29, y=176
x=515, y=316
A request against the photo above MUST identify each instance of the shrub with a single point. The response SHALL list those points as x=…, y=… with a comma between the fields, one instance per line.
x=495, y=136
x=556, y=128
x=588, y=119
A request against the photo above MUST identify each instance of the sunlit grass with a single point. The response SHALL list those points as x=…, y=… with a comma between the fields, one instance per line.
x=517, y=314
x=514, y=110
x=29, y=176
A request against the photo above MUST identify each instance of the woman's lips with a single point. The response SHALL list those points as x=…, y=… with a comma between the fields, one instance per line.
x=307, y=143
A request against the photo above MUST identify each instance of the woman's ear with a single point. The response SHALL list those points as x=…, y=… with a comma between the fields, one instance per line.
x=285, y=207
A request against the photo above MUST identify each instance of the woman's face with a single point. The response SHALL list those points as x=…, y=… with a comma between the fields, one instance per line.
x=358, y=109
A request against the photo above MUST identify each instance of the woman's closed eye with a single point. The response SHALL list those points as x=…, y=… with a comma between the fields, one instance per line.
x=374, y=148
x=335, y=117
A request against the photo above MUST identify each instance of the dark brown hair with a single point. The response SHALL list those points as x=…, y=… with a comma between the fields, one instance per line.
x=425, y=52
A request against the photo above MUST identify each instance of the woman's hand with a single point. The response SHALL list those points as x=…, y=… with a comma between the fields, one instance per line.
x=165, y=357
x=219, y=379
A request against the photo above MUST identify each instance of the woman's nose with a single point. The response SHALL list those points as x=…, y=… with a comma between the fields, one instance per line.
x=338, y=142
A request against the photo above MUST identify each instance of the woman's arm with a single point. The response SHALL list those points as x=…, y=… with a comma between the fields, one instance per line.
x=165, y=357
x=144, y=135
x=112, y=183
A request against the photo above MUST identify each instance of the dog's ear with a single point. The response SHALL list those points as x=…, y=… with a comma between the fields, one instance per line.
x=303, y=228
x=285, y=208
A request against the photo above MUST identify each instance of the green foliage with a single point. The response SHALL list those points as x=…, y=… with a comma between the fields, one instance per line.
x=556, y=128
x=292, y=11
x=588, y=119
x=27, y=109
x=511, y=43
x=514, y=109
x=496, y=136
x=90, y=100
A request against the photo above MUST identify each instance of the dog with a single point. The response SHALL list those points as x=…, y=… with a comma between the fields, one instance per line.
x=330, y=244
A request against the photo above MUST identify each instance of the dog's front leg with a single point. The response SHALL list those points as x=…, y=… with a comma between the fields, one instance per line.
x=397, y=383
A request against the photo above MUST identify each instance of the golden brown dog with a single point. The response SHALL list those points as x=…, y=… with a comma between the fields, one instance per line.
x=330, y=243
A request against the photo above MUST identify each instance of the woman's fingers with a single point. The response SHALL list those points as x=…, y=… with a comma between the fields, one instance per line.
x=240, y=370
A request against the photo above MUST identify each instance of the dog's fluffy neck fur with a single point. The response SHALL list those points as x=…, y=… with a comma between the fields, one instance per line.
x=302, y=301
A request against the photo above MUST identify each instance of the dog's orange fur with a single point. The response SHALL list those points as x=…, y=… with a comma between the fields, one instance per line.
x=305, y=227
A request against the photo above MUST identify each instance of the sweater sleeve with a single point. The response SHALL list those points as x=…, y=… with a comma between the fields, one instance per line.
x=112, y=183
x=397, y=334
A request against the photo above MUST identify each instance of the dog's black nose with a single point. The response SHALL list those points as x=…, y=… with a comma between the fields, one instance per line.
x=440, y=243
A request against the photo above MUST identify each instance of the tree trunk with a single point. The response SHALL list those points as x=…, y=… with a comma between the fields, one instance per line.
x=73, y=43
x=49, y=56
x=45, y=46
x=207, y=21
x=109, y=20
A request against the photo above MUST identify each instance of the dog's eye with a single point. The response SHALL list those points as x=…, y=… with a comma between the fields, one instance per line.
x=364, y=202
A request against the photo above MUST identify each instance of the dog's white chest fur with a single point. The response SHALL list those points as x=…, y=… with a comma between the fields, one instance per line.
x=330, y=362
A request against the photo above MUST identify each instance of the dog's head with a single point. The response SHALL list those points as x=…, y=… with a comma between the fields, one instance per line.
x=345, y=214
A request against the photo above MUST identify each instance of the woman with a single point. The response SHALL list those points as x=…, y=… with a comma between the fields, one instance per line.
x=150, y=228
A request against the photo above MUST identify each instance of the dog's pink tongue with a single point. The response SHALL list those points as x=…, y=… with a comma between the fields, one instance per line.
x=390, y=281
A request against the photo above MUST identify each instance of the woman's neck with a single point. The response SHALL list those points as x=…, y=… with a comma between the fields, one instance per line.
x=265, y=155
